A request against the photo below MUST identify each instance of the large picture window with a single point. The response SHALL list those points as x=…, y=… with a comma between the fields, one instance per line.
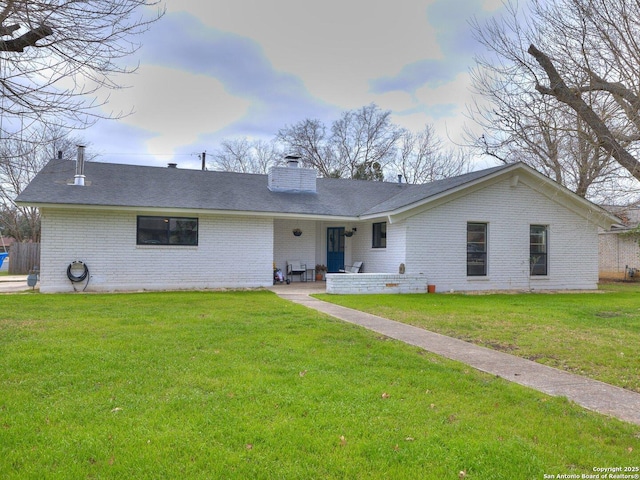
x=538, y=249
x=476, y=249
x=379, y=235
x=167, y=231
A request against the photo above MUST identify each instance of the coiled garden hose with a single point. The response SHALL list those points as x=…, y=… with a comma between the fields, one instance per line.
x=74, y=267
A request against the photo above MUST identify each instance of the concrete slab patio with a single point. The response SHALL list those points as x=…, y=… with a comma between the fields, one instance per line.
x=13, y=283
x=591, y=394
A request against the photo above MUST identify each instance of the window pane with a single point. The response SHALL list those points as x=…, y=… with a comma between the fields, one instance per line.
x=538, y=249
x=183, y=231
x=476, y=249
x=167, y=231
x=379, y=235
x=476, y=264
x=152, y=231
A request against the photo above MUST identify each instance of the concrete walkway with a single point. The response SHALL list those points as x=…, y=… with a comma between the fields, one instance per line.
x=13, y=283
x=591, y=394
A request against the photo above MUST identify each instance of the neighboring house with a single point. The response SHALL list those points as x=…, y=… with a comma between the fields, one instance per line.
x=619, y=251
x=507, y=227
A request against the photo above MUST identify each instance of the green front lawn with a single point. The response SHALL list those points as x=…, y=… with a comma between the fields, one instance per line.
x=247, y=385
x=592, y=334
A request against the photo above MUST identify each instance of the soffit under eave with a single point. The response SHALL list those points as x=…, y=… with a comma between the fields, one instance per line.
x=191, y=211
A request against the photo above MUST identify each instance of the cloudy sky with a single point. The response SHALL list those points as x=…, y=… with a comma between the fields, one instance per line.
x=211, y=70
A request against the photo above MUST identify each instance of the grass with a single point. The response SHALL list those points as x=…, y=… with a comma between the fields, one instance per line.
x=591, y=334
x=247, y=385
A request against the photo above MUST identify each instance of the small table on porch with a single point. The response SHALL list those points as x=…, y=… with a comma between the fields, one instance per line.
x=311, y=278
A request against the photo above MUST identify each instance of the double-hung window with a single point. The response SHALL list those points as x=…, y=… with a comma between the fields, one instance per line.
x=538, y=249
x=476, y=249
x=167, y=231
x=379, y=235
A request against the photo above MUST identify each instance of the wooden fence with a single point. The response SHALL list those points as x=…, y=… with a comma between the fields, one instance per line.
x=23, y=257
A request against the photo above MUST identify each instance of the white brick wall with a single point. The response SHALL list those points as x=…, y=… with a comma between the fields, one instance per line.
x=616, y=251
x=231, y=252
x=292, y=179
x=379, y=259
x=239, y=251
x=286, y=246
x=363, y=283
x=436, y=243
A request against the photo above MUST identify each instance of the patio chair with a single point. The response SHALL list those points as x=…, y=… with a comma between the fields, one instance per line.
x=355, y=268
x=295, y=267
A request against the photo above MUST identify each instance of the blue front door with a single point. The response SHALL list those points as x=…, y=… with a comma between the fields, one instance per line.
x=335, y=249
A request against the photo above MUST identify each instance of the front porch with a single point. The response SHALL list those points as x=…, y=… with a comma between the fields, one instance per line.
x=299, y=288
x=332, y=244
x=338, y=245
x=357, y=283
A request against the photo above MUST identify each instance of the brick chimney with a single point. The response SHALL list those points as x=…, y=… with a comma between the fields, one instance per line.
x=292, y=178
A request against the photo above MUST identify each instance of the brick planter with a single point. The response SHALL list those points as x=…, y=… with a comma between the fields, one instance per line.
x=357, y=283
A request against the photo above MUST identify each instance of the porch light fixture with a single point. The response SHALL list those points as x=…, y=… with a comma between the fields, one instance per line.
x=349, y=233
x=297, y=232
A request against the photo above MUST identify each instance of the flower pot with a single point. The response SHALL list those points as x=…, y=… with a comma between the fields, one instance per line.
x=318, y=277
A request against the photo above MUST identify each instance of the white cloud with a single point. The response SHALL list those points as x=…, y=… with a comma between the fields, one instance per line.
x=176, y=106
x=396, y=101
x=454, y=92
x=335, y=47
x=492, y=5
x=266, y=64
x=449, y=100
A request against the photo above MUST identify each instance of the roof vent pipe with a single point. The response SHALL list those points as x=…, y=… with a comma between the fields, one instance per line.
x=79, y=177
x=399, y=178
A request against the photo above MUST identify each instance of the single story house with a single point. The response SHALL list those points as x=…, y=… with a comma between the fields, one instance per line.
x=507, y=227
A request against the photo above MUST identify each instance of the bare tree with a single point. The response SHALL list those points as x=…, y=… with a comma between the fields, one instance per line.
x=232, y=156
x=55, y=56
x=581, y=54
x=309, y=140
x=365, y=141
x=245, y=156
x=358, y=145
x=422, y=158
x=518, y=125
x=20, y=160
x=266, y=154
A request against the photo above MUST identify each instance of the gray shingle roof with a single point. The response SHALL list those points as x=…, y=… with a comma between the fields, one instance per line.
x=116, y=185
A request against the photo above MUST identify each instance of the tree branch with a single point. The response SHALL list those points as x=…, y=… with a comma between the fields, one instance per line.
x=6, y=11
x=28, y=39
x=8, y=30
x=571, y=97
